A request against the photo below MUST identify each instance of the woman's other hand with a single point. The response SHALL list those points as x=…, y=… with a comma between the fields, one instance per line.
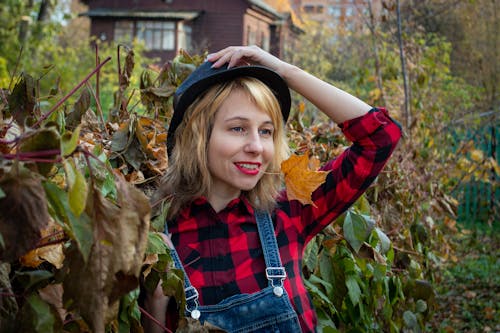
x=246, y=55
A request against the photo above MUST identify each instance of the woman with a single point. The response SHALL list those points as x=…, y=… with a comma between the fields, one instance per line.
x=237, y=236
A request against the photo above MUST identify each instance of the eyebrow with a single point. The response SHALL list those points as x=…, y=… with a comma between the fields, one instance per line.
x=246, y=119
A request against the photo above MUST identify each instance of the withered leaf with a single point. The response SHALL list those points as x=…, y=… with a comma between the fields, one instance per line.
x=126, y=74
x=53, y=294
x=22, y=99
x=51, y=253
x=300, y=180
x=43, y=140
x=8, y=305
x=74, y=118
x=23, y=213
x=120, y=233
x=189, y=325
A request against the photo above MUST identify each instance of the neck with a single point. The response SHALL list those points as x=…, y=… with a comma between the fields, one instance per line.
x=219, y=202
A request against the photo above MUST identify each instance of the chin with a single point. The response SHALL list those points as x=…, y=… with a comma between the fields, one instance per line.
x=247, y=188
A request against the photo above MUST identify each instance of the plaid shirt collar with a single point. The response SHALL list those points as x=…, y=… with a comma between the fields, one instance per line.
x=201, y=203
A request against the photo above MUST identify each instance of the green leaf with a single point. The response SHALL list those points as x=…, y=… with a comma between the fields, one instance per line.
x=78, y=190
x=311, y=255
x=326, y=269
x=2, y=193
x=31, y=278
x=43, y=320
x=353, y=289
x=44, y=139
x=384, y=243
x=421, y=306
x=411, y=321
x=78, y=228
x=327, y=285
x=357, y=227
x=318, y=292
x=130, y=315
x=69, y=141
x=173, y=285
x=363, y=205
x=156, y=245
x=160, y=216
x=325, y=323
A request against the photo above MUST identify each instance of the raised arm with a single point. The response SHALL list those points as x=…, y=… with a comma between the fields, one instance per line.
x=337, y=104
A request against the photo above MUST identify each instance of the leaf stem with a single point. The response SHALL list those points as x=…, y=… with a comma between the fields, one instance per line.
x=61, y=101
x=147, y=314
x=99, y=108
x=39, y=153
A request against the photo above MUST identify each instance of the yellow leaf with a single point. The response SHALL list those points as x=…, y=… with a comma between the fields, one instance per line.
x=302, y=107
x=476, y=155
x=51, y=253
x=300, y=180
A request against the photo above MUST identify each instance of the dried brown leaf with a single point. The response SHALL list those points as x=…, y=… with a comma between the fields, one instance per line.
x=23, y=214
x=120, y=234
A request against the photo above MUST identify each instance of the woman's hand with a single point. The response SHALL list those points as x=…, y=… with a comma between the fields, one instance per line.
x=246, y=55
x=335, y=103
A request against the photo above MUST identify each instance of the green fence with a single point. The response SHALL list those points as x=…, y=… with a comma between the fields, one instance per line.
x=479, y=201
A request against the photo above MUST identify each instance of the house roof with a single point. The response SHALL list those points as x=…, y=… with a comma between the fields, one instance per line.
x=106, y=12
x=260, y=4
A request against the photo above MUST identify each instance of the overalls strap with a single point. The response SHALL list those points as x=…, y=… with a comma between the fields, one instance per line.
x=191, y=292
x=275, y=272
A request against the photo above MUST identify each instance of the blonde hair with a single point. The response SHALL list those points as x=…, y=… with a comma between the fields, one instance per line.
x=188, y=177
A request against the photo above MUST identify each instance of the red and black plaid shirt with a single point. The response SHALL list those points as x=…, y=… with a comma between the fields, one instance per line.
x=221, y=252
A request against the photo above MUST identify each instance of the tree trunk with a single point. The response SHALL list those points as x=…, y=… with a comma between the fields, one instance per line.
x=403, y=68
x=44, y=11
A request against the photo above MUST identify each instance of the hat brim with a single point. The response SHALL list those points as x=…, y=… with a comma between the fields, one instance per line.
x=205, y=76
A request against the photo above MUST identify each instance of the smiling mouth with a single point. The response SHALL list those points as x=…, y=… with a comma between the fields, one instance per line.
x=248, y=168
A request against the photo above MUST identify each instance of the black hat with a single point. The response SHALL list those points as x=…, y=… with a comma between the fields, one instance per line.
x=205, y=76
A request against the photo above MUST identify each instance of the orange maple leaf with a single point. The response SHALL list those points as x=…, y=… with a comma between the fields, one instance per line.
x=300, y=180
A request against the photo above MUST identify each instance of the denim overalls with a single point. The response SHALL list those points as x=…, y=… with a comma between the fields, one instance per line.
x=268, y=310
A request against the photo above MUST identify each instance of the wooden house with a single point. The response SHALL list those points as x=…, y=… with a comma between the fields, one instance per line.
x=166, y=26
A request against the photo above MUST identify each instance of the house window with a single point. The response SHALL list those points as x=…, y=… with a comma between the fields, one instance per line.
x=184, y=33
x=265, y=43
x=314, y=9
x=156, y=35
x=309, y=9
x=124, y=31
x=251, y=36
x=350, y=12
x=335, y=11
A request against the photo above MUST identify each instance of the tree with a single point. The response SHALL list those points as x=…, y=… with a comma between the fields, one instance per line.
x=472, y=29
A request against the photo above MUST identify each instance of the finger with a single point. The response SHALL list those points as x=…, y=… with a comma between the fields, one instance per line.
x=215, y=57
x=240, y=56
x=223, y=59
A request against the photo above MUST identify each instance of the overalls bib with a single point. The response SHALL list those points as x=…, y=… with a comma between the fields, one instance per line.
x=268, y=310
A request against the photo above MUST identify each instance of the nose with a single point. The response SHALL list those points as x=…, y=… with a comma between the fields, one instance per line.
x=254, y=143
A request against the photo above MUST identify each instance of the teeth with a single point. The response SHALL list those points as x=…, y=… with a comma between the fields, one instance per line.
x=248, y=166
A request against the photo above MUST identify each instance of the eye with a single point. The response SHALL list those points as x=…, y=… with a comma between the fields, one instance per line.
x=266, y=131
x=237, y=129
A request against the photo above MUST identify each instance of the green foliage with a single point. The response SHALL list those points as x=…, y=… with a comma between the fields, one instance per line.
x=372, y=270
x=466, y=300
x=91, y=237
x=413, y=199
